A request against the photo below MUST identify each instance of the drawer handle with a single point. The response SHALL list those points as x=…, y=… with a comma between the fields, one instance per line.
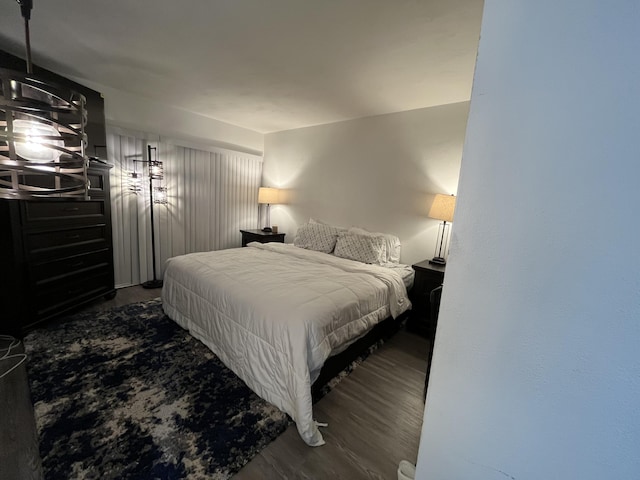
x=71, y=209
x=72, y=237
x=77, y=264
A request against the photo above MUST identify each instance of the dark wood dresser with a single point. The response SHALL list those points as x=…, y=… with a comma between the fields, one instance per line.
x=249, y=236
x=56, y=255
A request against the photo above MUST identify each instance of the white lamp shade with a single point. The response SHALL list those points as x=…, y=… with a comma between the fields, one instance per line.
x=443, y=207
x=268, y=195
x=33, y=147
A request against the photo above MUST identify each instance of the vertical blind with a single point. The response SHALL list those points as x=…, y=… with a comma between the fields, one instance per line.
x=211, y=195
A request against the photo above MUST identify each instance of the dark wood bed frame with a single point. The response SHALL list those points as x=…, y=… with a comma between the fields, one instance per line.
x=337, y=363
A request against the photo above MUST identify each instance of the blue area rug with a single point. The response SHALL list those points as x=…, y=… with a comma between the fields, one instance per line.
x=128, y=394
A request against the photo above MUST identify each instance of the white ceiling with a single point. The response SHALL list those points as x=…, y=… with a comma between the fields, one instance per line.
x=267, y=65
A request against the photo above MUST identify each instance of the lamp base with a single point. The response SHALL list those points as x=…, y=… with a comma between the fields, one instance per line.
x=152, y=284
x=438, y=261
x=267, y=229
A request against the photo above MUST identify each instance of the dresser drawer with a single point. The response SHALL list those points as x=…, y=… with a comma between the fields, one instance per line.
x=51, y=211
x=48, y=270
x=71, y=290
x=57, y=243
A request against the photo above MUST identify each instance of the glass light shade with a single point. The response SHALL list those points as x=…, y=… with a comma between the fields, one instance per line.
x=160, y=195
x=35, y=147
x=156, y=170
x=443, y=207
x=268, y=195
x=135, y=182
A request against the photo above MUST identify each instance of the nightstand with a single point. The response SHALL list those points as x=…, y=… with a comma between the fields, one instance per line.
x=257, y=235
x=428, y=276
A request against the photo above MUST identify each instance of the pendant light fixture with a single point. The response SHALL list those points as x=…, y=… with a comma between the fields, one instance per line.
x=42, y=138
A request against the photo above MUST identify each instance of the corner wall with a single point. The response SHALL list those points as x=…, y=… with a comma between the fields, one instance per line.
x=138, y=114
x=380, y=173
x=536, y=368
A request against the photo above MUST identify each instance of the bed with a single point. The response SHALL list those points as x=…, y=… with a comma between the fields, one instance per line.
x=274, y=313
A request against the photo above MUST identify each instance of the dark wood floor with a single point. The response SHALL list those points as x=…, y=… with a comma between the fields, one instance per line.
x=374, y=416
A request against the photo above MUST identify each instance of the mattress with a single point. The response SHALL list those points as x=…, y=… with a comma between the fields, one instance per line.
x=273, y=313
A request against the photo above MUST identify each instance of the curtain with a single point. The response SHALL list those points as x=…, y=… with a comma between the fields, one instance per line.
x=211, y=195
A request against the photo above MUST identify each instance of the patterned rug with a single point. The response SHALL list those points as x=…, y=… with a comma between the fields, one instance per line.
x=128, y=394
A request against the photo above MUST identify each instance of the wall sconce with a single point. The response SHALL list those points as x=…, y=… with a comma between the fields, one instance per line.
x=442, y=208
x=268, y=196
x=42, y=139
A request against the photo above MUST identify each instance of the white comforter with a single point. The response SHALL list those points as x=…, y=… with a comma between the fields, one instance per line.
x=273, y=313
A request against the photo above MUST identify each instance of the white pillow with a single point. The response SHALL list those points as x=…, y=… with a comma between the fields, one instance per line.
x=340, y=229
x=362, y=248
x=316, y=236
x=392, y=244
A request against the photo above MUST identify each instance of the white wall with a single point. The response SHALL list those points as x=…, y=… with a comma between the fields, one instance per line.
x=141, y=115
x=536, y=370
x=380, y=173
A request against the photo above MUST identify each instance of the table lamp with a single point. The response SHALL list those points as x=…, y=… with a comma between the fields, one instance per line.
x=442, y=209
x=268, y=196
